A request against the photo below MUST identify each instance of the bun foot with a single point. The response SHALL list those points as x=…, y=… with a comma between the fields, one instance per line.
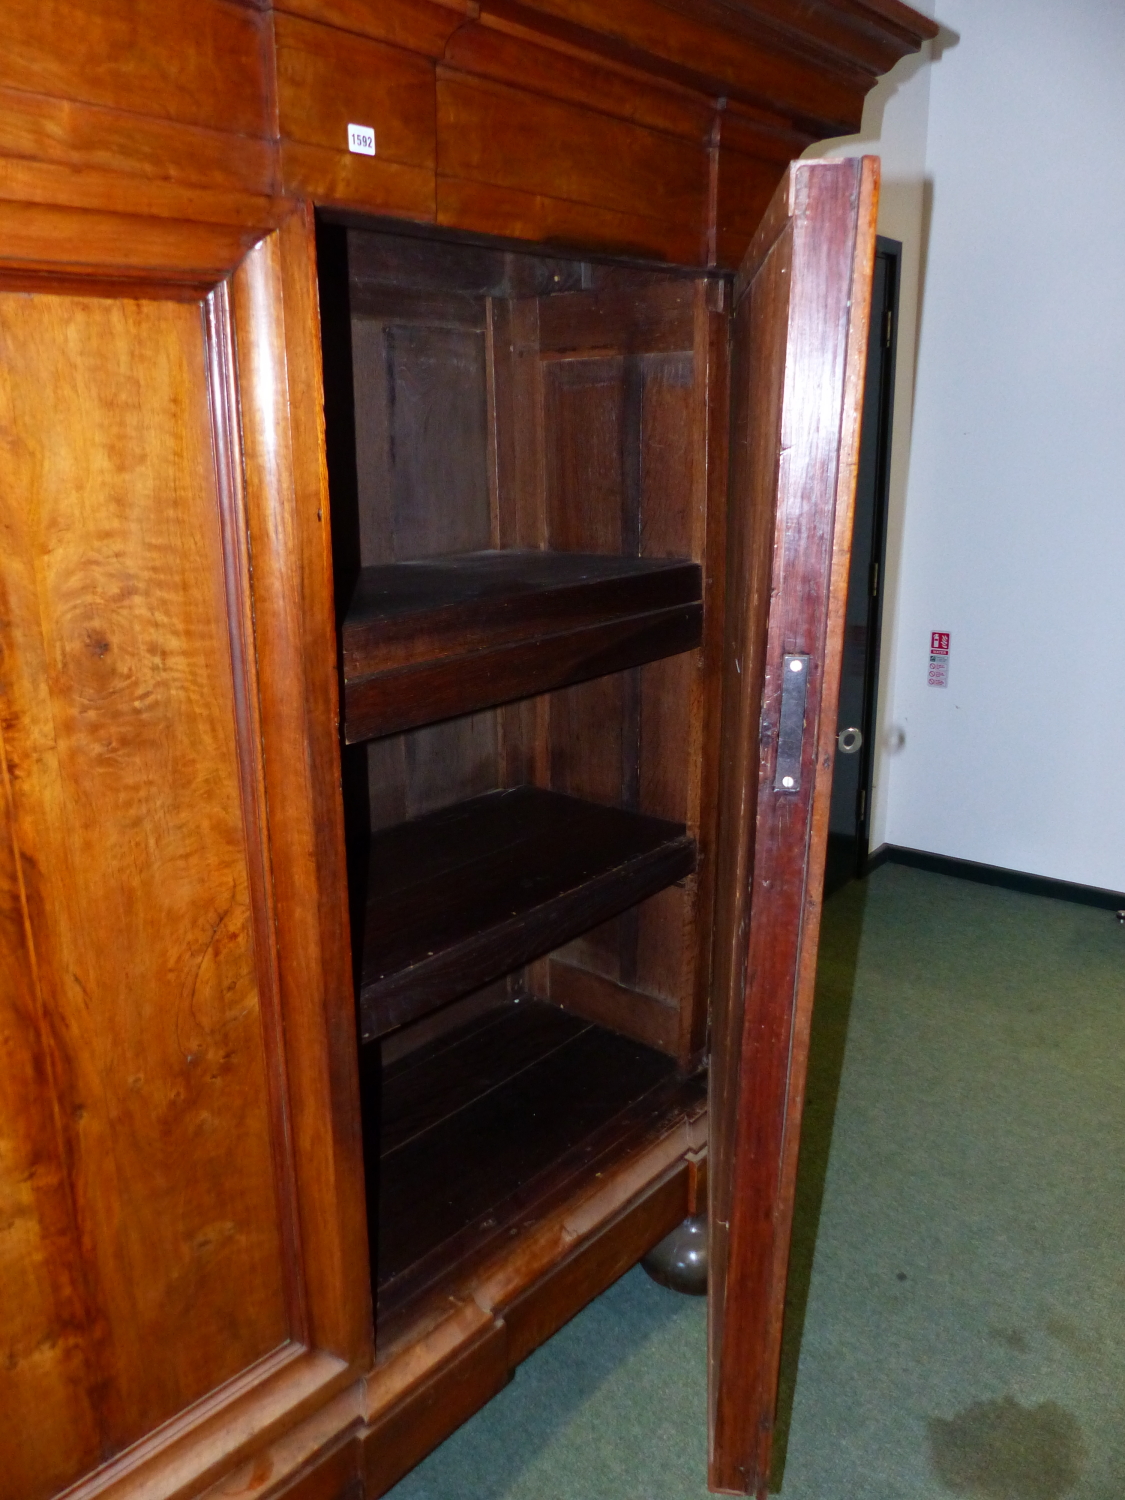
x=679, y=1261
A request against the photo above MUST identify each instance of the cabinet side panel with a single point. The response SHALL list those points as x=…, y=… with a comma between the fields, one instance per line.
x=119, y=718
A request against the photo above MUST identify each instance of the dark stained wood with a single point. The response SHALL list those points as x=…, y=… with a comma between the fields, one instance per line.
x=427, y=641
x=520, y=1124
x=710, y=424
x=644, y=1017
x=423, y=438
x=467, y=894
x=455, y=605
x=640, y=319
x=569, y=1244
x=799, y=342
x=633, y=384
x=428, y=1086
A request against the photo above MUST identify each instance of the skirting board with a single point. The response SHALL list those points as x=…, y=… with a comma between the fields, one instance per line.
x=1013, y=880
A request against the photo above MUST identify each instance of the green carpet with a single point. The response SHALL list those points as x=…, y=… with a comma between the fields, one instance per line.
x=956, y=1321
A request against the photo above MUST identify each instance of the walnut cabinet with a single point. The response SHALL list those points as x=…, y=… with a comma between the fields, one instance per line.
x=421, y=588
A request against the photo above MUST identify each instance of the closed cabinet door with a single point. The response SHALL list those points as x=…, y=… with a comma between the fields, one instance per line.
x=799, y=341
x=182, y=1268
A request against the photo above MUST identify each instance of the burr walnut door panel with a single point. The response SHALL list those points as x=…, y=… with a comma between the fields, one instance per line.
x=152, y=1251
x=798, y=348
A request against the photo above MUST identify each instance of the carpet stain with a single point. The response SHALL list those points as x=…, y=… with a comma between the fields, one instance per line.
x=1000, y=1450
x=1011, y=1338
x=1070, y=1336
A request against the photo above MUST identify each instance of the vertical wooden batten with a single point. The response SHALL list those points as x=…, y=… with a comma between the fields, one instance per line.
x=289, y=540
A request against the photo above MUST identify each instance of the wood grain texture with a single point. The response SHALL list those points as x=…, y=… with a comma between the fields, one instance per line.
x=319, y=1460
x=421, y=26
x=508, y=45
x=136, y=138
x=652, y=129
x=197, y=62
x=540, y=1312
x=106, y=138
x=442, y=690
x=391, y=1445
x=800, y=337
x=814, y=65
x=288, y=530
x=326, y=79
x=139, y=686
x=126, y=811
x=630, y=371
x=88, y=243
x=611, y=165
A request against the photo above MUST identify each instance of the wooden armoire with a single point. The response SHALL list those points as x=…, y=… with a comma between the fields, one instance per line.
x=427, y=437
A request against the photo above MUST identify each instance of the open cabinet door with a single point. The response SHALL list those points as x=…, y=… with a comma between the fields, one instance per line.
x=799, y=338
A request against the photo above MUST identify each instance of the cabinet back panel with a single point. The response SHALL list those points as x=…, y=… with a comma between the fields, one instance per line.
x=509, y=399
x=140, y=1220
x=422, y=461
x=621, y=409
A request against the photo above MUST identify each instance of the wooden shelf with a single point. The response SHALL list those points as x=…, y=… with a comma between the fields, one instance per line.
x=464, y=895
x=497, y=1119
x=429, y=640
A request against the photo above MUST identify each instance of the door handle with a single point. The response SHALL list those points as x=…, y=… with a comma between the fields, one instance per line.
x=849, y=741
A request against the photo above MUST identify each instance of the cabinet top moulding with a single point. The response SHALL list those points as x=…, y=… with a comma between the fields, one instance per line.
x=652, y=128
x=647, y=127
x=771, y=54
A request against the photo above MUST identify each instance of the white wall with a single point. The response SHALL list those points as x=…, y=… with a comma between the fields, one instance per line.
x=1014, y=527
x=894, y=129
x=1007, y=523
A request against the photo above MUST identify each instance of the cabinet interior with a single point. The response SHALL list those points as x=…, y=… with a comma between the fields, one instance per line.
x=523, y=552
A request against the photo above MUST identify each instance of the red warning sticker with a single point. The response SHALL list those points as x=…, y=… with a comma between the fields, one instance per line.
x=939, y=658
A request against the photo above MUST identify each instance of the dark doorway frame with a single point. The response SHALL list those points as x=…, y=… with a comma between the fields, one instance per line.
x=848, y=853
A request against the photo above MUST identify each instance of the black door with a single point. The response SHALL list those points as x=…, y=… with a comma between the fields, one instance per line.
x=851, y=779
